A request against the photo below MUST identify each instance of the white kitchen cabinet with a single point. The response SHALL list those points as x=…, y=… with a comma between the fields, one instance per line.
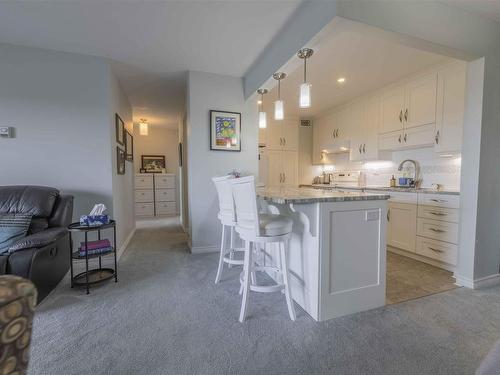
x=324, y=129
x=420, y=99
x=364, y=126
x=450, y=108
x=402, y=226
x=283, y=134
x=282, y=168
x=392, y=103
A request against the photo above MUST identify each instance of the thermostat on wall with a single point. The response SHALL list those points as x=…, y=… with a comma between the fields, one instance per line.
x=5, y=132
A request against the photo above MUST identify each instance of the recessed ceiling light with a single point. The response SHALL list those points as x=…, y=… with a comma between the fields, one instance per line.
x=341, y=80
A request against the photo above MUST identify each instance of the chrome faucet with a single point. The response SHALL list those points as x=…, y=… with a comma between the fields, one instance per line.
x=417, y=170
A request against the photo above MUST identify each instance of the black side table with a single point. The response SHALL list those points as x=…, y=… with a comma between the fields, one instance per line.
x=96, y=275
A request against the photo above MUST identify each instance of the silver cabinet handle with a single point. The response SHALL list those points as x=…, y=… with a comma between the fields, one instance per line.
x=359, y=149
x=337, y=132
x=284, y=141
x=436, y=138
x=439, y=200
x=333, y=133
x=364, y=151
x=406, y=115
x=388, y=214
x=437, y=230
x=405, y=137
x=284, y=177
x=437, y=213
x=401, y=116
x=281, y=177
x=436, y=250
x=399, y=139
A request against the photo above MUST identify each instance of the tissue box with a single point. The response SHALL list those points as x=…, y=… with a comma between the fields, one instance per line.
x=94, y=220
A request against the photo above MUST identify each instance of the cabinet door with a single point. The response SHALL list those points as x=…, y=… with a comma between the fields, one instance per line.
x=323, y=128
x=290, y=169
x=290, y=134
x=420, y=106
x=344, y=121
x=356, y=124
x=274, y=134
x=371, y=122
x=450, y=110
x=391, y=141
x=392, y=103
x=421, y=136
x=274, y=168
x=402, y=226
x=316, y=146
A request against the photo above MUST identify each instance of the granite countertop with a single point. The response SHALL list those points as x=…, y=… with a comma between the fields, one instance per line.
x=386, y=188
x=311, y=195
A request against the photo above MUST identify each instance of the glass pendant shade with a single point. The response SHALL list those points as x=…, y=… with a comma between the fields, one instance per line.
x=279, y=113
x=305, y=95
x=262, y=120
x=143, y=128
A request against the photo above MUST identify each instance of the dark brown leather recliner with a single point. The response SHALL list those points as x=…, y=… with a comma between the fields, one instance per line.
x=43, y=255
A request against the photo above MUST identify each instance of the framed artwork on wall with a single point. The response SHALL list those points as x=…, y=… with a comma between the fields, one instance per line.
x=120, y=161
x=225, y=131
x=120, y=130
x=153, y=163
x=129, y=146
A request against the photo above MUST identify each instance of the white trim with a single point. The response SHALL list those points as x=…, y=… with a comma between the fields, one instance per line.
x=481, y=283
x=205, y=249
x=125, y=244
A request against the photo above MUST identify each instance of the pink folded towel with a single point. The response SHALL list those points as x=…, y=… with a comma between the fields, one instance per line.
x=92, y=245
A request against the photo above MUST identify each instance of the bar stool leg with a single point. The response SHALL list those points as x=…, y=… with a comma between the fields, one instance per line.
x=246, y=280
x=231, y=254
x=284, y=270
x=221, y=257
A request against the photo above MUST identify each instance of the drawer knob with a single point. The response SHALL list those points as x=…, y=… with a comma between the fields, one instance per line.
x=437, y=213
x=437, y=230
x=439, y=200
x=436, y=250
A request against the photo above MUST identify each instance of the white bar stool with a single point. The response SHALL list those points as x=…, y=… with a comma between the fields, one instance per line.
x=256, y=229
x=227, y=218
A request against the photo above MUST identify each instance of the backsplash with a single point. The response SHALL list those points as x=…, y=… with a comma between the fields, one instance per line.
x=433, y=168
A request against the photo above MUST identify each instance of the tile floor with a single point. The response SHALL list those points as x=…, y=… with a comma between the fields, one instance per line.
x=409, y=279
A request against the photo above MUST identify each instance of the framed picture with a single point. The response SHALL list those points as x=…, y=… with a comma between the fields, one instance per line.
x=153, y=163
x=120, y=161
x=120, y=130
x=129, y=146
x=225, y=131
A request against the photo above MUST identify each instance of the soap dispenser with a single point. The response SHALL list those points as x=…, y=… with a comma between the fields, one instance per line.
x=393, y=181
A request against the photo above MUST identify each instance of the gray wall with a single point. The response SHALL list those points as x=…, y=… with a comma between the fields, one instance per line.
x=60, y=106
x=205, y=92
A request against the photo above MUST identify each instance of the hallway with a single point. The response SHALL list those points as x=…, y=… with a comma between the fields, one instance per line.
x=166, y=316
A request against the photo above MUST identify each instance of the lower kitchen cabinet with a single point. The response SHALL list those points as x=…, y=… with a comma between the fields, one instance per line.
x=402, y=226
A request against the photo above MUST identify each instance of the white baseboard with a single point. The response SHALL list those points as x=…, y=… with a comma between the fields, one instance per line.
x=481, y=283
x=204, y=249
x=125, y=244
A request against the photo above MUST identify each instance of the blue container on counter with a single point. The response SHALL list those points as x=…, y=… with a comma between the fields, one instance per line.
x=94, y=220
x=403, y=181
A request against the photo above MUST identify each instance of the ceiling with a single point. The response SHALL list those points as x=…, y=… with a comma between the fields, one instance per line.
x=486, y=8
x=152, y=44
x=367, y=62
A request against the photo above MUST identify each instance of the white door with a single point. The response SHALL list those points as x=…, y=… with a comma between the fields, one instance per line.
x=275, y=170
x=290, y=134
x=392, y=103
x=420, y=106
x=290, y=169
x=402, y=226
x=274, y=134
x=450, y=109
x=371, y=121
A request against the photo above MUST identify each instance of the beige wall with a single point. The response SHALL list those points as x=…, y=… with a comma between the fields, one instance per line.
x=159, y=141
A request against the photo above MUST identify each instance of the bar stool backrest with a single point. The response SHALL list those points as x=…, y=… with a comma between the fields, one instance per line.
x=245, y=202
x=226, y=204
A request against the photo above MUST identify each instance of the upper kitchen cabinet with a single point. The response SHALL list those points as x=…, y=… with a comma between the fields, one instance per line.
x=366, y=119
x=283, y=135
x=420, y=99
x=324, y=129
x=392, y=104
x=450, y=108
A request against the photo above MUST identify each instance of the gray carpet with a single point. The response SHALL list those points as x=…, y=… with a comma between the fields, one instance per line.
x=166, y=316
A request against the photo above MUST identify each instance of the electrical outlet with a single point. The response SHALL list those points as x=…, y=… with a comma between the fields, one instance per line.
x=5, y=132
x=372, y=215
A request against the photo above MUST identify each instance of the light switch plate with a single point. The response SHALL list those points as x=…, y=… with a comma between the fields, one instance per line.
x=5, y=132
x=372, y=215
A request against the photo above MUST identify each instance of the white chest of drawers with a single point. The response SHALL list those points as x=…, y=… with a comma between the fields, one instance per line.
x=155, y=194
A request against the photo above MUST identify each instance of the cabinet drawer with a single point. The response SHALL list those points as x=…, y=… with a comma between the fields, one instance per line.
x=439, y=213
x=397, y=197
x=144, y=196
x=164, y=182
x=143, y=182
x=440, y=200
x=165, y=195
x=442, y=251
x=438, y=230
x=391, y=141
x=165, y=208
x=144, y=209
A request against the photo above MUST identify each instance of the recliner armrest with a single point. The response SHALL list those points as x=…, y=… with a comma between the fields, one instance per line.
x=40, y=239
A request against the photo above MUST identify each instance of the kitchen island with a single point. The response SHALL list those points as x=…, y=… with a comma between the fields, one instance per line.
x=337, y=253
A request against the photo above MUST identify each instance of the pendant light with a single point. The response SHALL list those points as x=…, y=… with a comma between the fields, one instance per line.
x=143, y=127
x=305, y=88
x=262, y=114
x=279, y=112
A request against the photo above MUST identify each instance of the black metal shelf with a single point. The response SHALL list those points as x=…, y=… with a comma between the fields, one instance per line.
x=76, y=255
